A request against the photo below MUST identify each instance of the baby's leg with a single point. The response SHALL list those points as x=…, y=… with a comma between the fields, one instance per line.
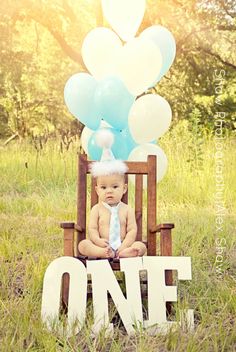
x=88, y=248
x=140, y=247
x=137, y=249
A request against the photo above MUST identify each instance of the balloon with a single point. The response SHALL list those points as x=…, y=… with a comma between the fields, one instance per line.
x=137, y=63
x=141, y=152
x=113, y=101
x=99, y=50
x=79, y=98
x=124, y=16
x=119, y=147
x=84, y=138
x=130, y=143
x=149, y=118
x=165, y=41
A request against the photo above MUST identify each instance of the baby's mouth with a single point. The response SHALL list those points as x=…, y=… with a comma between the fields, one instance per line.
x=109, y=197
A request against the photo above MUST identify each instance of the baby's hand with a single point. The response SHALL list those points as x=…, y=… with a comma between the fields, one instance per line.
x=103, y=242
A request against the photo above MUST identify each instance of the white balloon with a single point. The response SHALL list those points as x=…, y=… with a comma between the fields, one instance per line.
x=84, y=138
x=137, y=63
x=124, y=16
x=99, y=50
x=149, y=118
x=141, y=152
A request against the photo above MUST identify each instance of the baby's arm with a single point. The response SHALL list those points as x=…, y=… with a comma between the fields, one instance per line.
x=93, y=229
x=131, y=230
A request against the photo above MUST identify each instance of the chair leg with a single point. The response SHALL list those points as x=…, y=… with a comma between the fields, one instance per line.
x=166, y=250
x=68, y=251
x=65, y=292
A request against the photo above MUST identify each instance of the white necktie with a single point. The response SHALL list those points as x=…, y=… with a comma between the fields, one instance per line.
x=114, y=231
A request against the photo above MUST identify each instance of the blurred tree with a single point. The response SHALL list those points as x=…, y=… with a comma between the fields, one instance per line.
x=41, y=48
x=206, y=41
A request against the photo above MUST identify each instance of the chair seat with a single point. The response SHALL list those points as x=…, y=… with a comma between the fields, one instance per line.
x=114, y=262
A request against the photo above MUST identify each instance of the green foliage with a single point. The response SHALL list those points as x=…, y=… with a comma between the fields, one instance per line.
x=205, y=37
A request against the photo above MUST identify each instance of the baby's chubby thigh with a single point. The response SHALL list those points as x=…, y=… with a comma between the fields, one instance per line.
x=84, y=245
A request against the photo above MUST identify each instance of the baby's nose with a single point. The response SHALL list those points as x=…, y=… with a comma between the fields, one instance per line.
x=109, y=190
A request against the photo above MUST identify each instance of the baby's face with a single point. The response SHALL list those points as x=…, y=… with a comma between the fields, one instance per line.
x=110, y=189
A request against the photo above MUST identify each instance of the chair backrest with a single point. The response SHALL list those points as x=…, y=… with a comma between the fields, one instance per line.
x=138, y=169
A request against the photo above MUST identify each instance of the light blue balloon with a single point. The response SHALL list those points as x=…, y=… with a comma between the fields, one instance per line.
x=165, y=41
x=113, y=101
x=79, y=98
x=119, y=147
x=130, y=143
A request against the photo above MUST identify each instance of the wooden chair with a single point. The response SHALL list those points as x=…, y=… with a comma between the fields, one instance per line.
x=76, y=232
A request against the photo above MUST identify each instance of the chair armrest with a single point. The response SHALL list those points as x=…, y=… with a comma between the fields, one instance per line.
x=160, y=227
x=78, y=228
x=71, y=225
x=67, y=225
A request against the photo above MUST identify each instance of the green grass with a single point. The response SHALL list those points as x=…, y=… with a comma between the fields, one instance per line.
x=38, y=190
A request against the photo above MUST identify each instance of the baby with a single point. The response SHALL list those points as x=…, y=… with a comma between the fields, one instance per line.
x=112, y=235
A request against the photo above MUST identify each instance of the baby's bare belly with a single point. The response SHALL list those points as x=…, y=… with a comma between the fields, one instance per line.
x=104, y=231
x=104, y=222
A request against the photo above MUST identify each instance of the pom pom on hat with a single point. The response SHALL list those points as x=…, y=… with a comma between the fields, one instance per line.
x=108, y=164
x=104, y=138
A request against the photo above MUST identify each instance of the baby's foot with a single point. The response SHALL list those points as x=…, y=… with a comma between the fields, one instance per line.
x=139, y=251
x=129, y=252
x=107, y=253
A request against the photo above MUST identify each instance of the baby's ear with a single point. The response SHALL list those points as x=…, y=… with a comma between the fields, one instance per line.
x=125, y=188
x=96, y=189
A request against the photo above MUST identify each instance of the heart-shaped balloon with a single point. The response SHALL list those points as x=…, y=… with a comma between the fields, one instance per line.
x=79, y=98
x=99, y=49
x=137, y=63
x=124, y=16
x=165, y=41
x=149, y=118
x=113, y=101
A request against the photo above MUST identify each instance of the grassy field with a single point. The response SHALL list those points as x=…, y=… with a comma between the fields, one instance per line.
x=38, y=190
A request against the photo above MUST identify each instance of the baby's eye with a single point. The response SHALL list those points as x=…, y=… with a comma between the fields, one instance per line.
x=103, y=187
x=115, y=186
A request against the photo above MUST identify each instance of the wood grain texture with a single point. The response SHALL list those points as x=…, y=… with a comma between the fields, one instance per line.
x=68, y=251
x=151, y=204
x=82, y=195
x=94, y=196
x=139, y=205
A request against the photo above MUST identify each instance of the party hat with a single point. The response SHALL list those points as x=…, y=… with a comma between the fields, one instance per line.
x=108, y=165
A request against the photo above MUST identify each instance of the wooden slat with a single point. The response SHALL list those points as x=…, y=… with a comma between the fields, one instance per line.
x=151, y=204
x=94, y=196
x=166, y=250
x=81, y=195
x=125, y=196
x=68, y=251
x=137, y=168
x=139, y=205
x=166, y=242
